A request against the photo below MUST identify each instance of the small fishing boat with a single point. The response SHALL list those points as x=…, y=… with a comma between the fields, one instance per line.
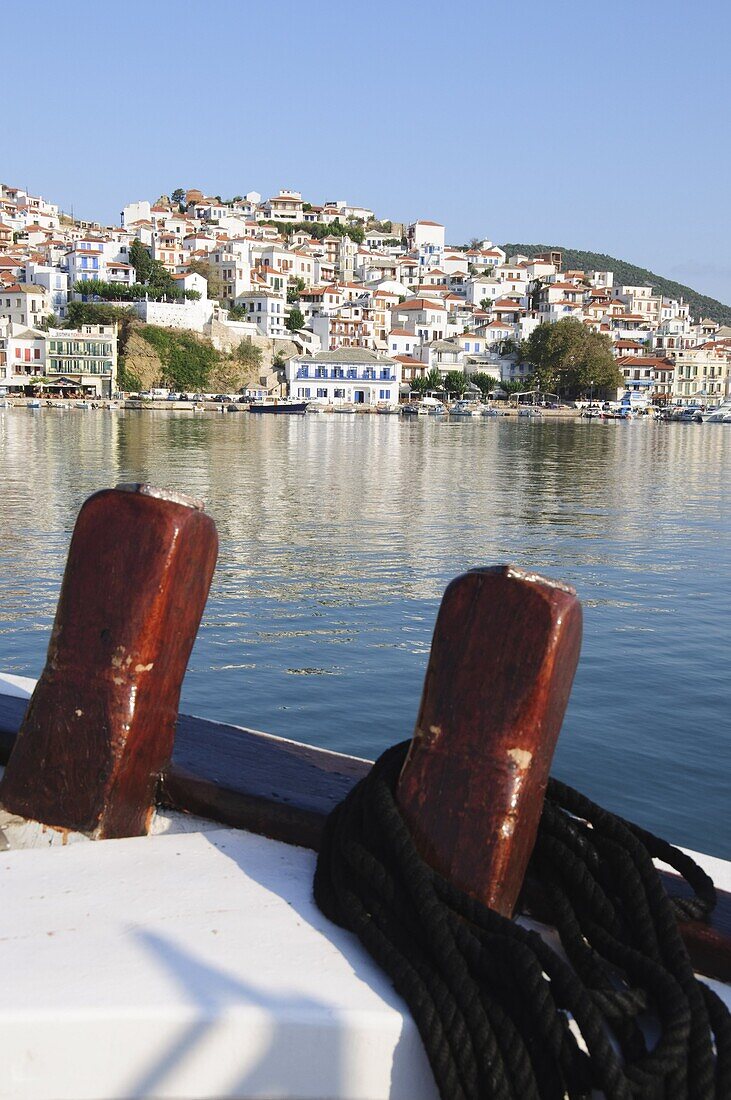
x=490, y=410
x=278, y=406
x=465, y=409
x=388, y=410
x=33, y=403
x=427, y=406
x=347, y=409
x=530, y=410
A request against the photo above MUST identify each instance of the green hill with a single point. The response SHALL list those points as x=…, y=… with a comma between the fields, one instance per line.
x=631, y=275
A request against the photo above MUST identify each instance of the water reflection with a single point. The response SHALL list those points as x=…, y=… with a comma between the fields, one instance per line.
x=338, y=535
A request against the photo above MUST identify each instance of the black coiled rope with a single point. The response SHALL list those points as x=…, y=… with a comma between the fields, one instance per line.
x=492, y=1000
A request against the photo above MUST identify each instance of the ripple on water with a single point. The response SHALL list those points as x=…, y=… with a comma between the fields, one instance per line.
x=338, y=535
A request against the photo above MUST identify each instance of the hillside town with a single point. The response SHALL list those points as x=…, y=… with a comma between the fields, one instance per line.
x=345, y=307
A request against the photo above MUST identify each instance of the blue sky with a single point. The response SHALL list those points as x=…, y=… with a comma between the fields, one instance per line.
x=599, y=126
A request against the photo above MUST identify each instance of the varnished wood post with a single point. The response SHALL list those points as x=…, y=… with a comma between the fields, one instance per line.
x=505, y=649
x=100, y=725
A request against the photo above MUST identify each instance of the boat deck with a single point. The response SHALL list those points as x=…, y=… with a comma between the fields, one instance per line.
x=193, y=963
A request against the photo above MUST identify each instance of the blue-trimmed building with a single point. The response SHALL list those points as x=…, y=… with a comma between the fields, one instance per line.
x=346, y=376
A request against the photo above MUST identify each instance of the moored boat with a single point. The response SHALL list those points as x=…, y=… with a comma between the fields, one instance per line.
x=721, y=414
x=427, y=406
x=465, y=409
x=278, y=406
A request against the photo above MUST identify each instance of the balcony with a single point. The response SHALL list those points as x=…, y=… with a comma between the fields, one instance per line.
x=322, y=374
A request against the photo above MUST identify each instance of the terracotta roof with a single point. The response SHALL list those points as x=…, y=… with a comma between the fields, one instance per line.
x=645, y=361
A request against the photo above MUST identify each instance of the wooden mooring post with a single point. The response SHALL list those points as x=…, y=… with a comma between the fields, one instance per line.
x=100, y=725
x=504, y=652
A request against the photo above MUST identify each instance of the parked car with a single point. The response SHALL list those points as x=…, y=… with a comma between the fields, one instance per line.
x=222, y=398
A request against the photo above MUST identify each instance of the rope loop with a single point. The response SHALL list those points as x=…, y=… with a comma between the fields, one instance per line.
x=502, y=1015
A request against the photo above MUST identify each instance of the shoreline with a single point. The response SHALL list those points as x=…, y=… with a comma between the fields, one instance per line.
x=162, y=405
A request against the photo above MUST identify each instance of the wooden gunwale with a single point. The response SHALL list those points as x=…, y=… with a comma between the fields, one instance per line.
x=285, y=790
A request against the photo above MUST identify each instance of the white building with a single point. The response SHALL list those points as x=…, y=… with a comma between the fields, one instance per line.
x=55, y=281
x=286, y=206
x=266, y=310
x=24, y=303
x=427, y=240
x=86, y=358
x=346, y=376
x=136, y=212
x=22, y=355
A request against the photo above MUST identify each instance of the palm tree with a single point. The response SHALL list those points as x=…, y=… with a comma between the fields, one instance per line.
x=434, y=379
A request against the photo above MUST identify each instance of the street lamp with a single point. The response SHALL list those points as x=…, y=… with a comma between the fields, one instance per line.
x=591, y=394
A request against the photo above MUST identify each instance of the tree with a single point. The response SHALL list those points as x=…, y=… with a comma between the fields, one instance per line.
x=209, y=273
x=178, y=196
x=515, y=386
x=296, y=320
x=455, y=382
x=163, y=287
x=237, y=313
x=96, y=313
x=161, y=280
x=141, y=261
x=434, y=379
x=248, y=354
x=568, y=357
x=486, y=383
x=295, y=289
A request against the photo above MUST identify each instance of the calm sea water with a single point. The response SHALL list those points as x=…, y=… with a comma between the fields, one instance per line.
x=338, y=535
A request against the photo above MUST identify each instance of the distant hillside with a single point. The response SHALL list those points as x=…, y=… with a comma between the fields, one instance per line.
x=631, y=275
